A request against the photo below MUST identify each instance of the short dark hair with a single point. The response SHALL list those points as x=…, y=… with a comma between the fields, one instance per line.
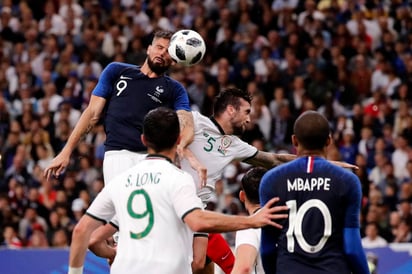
x=161, y=128
x=250, y=183
x=230, y=96
x=312, y=130
x=162, y=34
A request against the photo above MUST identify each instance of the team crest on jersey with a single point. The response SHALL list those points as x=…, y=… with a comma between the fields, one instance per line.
x=225, y=143
x=159, y=90
x=156, y=94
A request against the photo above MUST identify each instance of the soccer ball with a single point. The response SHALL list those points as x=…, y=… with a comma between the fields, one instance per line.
x=187, y=47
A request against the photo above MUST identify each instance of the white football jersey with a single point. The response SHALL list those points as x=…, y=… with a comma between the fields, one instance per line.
x=150, y=200
x=214, y=149
x=251, y=237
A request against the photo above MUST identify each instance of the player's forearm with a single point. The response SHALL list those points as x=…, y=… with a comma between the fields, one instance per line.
x=354, y=251
x=269, y=160
x=214, y=222
x=78, y=249
x=283, y=158
x=82, y=128
x=98, y=244
x=186, y=127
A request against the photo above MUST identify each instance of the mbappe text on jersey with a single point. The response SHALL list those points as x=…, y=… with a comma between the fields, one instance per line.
x=309, y=184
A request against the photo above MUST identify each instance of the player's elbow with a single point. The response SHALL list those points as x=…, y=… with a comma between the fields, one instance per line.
x=198, y=263
x=79, y=229
x=197, y=221
x=199, y=226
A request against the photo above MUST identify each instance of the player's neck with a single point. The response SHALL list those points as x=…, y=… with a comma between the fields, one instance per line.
x=313, y=153
x=170, y=154
x=252, y=208
x=224, y=125
x=145, y=69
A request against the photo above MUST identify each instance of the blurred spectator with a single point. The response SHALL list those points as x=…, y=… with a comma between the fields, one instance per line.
x=60, y=238
x=372, y=238
x=403, y=233
x=30, y=223
x=260, y=114
x=10, y=238
x=400, y=157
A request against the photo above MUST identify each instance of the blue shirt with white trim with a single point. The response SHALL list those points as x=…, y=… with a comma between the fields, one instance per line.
x=130, y=95
x=324, y=200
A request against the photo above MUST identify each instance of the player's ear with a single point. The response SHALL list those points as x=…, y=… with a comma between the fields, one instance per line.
x=178, y=139
x=143, y=139
x=242, y=196
x=328, y=141
x=294, y=140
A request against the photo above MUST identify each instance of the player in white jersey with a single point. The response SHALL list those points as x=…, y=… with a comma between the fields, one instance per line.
x=157, y=209
x=247, y=243
x=215, y=145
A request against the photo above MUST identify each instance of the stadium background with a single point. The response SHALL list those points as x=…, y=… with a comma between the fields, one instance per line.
x=350, y=60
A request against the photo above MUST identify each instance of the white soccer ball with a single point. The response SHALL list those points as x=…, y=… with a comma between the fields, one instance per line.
x=187, y=47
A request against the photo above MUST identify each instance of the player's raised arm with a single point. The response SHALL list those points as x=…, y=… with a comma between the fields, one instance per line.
x=186, y=128
x=269, y=159
x=87, y=121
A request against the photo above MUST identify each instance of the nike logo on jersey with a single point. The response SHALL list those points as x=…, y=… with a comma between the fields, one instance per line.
x=225, y=257
x=125, y=77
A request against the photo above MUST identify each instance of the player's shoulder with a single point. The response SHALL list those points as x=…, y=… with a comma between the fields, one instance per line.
x=120, y=66
x=199, y=117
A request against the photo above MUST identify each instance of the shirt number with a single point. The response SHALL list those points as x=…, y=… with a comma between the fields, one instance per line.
x=295, y=225
x=120, y=86
x=210, y=142
x=147, y=214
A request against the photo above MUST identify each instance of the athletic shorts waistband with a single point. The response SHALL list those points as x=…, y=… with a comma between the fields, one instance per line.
x=122, y=152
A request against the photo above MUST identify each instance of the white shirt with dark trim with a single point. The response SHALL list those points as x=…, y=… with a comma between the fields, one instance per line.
x=215, y=149
x=150, y=200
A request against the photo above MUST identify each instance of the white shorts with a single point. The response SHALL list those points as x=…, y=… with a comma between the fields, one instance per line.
x=117, y=161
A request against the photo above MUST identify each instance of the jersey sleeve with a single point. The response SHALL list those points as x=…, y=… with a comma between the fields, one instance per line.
x=104, y=87
x=184, y=196
x=243, y=150
x=353, y=201
x=181, y=96
x=269, y=235
x=102, y=208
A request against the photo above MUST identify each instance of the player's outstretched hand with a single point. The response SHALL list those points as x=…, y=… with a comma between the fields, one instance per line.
x=267, y=214
x=58, y=165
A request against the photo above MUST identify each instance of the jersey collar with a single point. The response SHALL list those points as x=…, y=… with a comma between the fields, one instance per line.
x=158, y=156
x=217, y=125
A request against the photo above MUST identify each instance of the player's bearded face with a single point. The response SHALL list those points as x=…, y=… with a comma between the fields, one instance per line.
x=238, y=125
x=238, y=129
x=159, y=59
x=156, y=66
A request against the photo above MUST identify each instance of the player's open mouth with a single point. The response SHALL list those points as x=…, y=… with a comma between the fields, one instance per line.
x=159, y=60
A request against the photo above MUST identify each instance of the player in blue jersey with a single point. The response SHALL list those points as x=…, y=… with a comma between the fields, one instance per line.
x=322, y=233
x=124, y=94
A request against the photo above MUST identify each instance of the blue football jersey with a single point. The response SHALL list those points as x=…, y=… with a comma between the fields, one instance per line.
x=323, y=199
x=130, y=95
